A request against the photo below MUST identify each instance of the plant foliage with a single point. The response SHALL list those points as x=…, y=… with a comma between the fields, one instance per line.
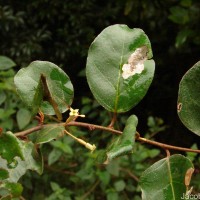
x=119, y=71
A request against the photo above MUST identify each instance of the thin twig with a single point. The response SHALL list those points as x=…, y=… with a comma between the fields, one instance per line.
x=90, y=190
x=166, y=146
x=60, y=171
x=93, y=127
x=133, y=176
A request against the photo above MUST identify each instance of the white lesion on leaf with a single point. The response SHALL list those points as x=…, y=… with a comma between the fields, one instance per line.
x=135, y=62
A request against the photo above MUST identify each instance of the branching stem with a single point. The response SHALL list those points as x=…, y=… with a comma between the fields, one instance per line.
x=93, y=127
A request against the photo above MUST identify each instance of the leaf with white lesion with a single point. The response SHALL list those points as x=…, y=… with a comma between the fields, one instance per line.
x=135, y=62
x=119, y=67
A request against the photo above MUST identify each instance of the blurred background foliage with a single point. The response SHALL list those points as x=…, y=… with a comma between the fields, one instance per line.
x=61, y=32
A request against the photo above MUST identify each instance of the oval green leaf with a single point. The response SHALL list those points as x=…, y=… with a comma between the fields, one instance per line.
x=23, y=118
x=165, y=179
x=6, y=63
x=31, y=89
x=48, y=133
x=189, y=100
x=107, y=54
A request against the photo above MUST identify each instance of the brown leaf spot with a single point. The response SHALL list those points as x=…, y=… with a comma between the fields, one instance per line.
x=188, y=176
x=179, y=107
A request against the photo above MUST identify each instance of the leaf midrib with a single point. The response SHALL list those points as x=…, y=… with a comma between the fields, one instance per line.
x=118, y=79
x=170, y=177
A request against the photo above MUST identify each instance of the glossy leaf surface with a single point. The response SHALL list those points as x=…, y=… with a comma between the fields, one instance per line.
x=107, y=54
x=48, y=133
x=31, y=89
x=165, y=179
x=6, y=63
x=189, y=99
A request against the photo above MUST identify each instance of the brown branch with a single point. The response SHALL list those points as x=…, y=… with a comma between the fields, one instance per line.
x=93, y=127
x=36, y=128
x=114, y=118
x=166, y=146
x=29, y=131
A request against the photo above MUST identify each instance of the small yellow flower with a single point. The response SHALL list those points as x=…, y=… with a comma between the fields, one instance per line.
x=75, y=113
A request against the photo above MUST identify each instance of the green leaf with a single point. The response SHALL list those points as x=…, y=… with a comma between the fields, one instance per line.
x=186, y=3
x=165, y=179
x=63, y=147
x=3, y=174
x=2, y=97
x=179, y=15
x=119, y=185
x=113, y=168
x=188, y=99
x=107, y=54
x=124, y=143
x=6, y=113
x=182, y=37
x=7, y=74
x=31, y=89
x=23, y=118
x=54, y=156
x=55, y=187
x=32, y=161
x=48, y=133
x=10, y=173
x=10, y=147
x=11, y=190
x=104, y=177
x=6, y=63
x=191, y=155
x=112, y=195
